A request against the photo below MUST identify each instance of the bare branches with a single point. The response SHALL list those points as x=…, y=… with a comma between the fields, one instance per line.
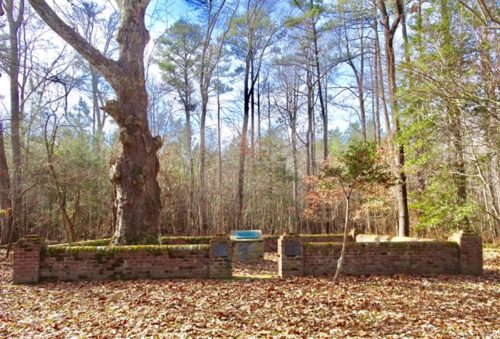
x=109, y=68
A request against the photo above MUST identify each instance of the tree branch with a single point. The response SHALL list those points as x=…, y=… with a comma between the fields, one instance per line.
x=109, y=68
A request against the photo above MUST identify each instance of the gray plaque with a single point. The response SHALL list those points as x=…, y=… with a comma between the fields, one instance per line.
x=292, y=248
x=220, y=249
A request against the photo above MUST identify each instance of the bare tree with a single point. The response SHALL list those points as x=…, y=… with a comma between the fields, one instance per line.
x=210, y=56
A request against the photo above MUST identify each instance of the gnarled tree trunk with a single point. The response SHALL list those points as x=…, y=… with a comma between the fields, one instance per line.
x=133, y=173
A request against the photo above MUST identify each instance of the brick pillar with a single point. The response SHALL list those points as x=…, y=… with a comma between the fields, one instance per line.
x=27, y=260
x=221, y=264
x=353, y=234
x=471, y=252
x=291, y=260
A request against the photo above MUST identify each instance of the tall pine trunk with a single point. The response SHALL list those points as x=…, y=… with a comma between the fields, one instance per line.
x=401, y=187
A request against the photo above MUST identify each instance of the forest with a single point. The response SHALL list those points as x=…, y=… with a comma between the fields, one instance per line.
x=199, y=117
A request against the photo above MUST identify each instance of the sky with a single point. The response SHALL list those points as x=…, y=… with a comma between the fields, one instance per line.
x=161, y=14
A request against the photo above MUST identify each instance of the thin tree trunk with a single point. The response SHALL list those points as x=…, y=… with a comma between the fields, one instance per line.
x=5, y=202
x=14, y=22
x=219, y=155
x=324, y=115
x=341, y=259
x=310, y=118
x=380, y=73
x=243, y=143
x=375, y=102
x=401, y=187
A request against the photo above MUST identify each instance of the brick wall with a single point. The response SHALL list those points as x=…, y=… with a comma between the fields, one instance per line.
x=291, y=261
x=221, y=252
x=461, y=255
x=34, y=261
x=27, y=260
x=471, y=252
x=383, y=258
x=271, y=241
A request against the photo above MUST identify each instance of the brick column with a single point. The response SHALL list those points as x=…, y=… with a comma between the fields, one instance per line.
x=221, y=264
x=353, y=234
x=291, y=260
x=471, y=252
x=27, y=260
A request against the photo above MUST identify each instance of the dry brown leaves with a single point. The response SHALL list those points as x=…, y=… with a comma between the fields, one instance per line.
x=398, y=306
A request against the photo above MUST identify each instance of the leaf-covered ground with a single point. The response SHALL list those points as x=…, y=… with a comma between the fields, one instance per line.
x=398, y=306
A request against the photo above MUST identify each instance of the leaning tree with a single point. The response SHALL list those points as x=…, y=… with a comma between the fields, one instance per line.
x=133, y=173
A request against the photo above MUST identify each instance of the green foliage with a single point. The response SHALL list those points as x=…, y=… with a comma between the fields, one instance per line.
x=179, y=57
x=359, y=164
x=437, y=206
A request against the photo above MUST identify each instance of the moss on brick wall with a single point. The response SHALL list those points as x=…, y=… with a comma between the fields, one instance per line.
x=320, y=235
x=187, y=240
x=167, y=240
x=59, y=251
x=96, y=242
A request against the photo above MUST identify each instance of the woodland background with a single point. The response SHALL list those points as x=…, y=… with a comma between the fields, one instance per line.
x=270, y=78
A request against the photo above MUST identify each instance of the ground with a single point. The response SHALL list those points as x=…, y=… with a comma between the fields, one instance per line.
x=256, y=303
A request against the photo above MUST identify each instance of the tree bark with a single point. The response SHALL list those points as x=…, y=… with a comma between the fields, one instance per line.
x=134, y=172
x=15, y=22
x=341, y=259
x=324, y=115
x=401, y=187
x=380, y=77
x=5, y=202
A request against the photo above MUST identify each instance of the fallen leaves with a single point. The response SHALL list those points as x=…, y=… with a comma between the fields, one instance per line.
x=374, y=306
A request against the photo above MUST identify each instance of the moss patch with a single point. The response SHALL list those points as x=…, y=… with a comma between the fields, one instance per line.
x=103, y=252
x=333, y=235
x=396, y=245
x=96, y=242
x=187, y=240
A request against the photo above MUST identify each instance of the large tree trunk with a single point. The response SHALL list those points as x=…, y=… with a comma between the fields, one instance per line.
x=134, y=172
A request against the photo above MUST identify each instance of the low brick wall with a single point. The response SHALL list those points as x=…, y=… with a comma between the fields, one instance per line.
x=271, y=241
x=387, y=238
x=34, y=261
x=383, y=258
x=461, y=255
x=186, y=240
